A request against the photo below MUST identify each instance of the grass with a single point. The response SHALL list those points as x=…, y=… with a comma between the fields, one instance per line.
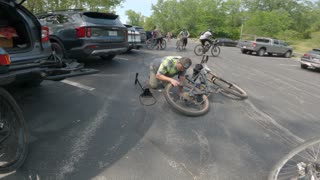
x=304, y=45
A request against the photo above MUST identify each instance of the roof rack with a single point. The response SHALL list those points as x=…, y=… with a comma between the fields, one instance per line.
x=62, y=10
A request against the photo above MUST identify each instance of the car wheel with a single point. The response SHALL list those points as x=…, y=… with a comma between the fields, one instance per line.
x=107, y=57
x=244, y=51
x=287, y=54
x=304, y=66
x=261, y=52
x=58, y=49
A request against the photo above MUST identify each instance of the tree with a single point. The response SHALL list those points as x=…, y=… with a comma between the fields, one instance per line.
x=38, y=6
x=135, y=18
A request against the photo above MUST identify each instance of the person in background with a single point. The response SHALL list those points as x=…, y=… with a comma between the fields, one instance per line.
x=184, y=34
x=206, y=37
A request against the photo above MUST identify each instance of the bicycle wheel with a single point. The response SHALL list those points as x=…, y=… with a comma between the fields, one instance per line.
x=13, y=134
x=198, y=50
x=302, y=163
x=179, y=45
x=230, y=90
x=188, y=105
x=215, y=51
x=150, y=44
x=163, y=44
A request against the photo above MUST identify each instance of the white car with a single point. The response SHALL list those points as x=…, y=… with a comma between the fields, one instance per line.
x=311, y=59
x=134, y=38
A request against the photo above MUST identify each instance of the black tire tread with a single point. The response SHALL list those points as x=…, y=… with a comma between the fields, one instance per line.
x=182, y=110
x=19, y=114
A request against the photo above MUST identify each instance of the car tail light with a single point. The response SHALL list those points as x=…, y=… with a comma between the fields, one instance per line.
x=83, y=32
x=254, y=44
x=4, y=59
x=44, y=34
x=307, y=55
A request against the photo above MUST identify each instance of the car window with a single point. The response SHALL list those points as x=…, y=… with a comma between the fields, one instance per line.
x=315, y=51
x=101, y=18
x=276, y=42
x=263, y=40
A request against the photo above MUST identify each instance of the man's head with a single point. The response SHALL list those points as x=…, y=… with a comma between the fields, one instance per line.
x=184, y=63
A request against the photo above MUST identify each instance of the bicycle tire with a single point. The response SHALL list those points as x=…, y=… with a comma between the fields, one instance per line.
x=163, y=44
x=149, y=44
x=230, y=88
x=273, y=175
x=183, y=110
x=10, y=104
x=215, y=50
x=198, y=50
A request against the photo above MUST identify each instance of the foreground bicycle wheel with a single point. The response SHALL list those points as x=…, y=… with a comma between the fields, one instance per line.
x=188, y=105
x=13, y=134
x=230, y=90
x=302, y=163
x=198, y=50
x=215, y=51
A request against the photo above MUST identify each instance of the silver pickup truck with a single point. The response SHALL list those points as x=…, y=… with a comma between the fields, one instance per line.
x=266, y=45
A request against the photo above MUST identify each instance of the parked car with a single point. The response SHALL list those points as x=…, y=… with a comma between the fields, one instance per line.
x=134, y=38
x=25, y=57
x=23, y=38
x=311, y=59
x=74, y=33
x=142, y=34
x=263, y=45
x=227, y=42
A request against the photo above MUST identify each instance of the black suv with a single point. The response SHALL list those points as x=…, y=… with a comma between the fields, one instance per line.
x=74, y=33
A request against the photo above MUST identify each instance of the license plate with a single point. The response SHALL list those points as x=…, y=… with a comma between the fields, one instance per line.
x=244, y=46
x=113, y=33
x=316, y=59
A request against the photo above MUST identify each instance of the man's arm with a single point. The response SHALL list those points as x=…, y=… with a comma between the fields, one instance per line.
x=168, y=79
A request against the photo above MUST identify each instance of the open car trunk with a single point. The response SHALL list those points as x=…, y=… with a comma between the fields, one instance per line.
x=14, y=34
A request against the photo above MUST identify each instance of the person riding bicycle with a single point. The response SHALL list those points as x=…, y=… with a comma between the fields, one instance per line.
x=163, y=69
x=206, y=37
x=183, y=35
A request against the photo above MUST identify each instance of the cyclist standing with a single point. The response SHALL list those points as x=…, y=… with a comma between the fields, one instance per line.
x=158, y=36
x=206, y=37
x=184, y=34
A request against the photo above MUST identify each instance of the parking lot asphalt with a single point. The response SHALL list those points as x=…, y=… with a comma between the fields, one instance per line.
x=94, y=127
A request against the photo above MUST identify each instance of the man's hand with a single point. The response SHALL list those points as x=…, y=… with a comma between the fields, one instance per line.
x=174, y=82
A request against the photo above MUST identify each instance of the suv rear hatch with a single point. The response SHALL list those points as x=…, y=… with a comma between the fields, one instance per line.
x=21, y=32
x=102, y=27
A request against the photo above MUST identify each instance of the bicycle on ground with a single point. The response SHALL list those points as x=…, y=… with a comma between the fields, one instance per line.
x=196, y=90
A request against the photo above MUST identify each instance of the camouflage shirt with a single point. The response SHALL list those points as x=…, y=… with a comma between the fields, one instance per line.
x=167, y=66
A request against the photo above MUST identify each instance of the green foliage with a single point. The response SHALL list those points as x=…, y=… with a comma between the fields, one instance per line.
x=38, y=6
x=136, y=19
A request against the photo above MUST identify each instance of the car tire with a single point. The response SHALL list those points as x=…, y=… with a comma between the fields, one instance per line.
x=244, y=51
x=107, y=57
x=261, y=52
x=304, y=66
x=58, y=49
x=288, y=54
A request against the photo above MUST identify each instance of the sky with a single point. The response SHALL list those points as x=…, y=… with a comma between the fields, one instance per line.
x=139, y=6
